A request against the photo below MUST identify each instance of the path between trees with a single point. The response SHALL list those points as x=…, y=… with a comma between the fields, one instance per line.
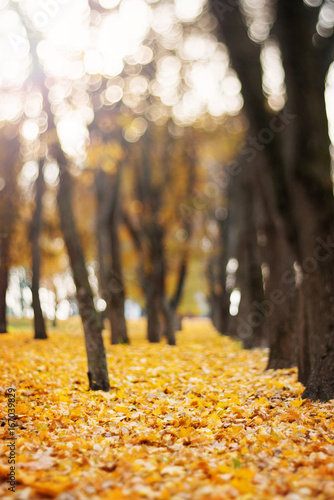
x=201, y=420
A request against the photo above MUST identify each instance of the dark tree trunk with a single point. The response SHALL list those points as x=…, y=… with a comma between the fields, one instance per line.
x=231, y=246
x=319, y=306
x=97, y=363
x=303, y=352
x=280, y=308
x=220, y=292
x=245, y=59
x=223, y=296
x=153, y=321
x=255, y=319
x=157, y=307
x=175, y=300
x=159, y=314
x=39, y=323
x=111, y=277
x=173, y=321
x=213, y=296
x=170, y=322
x=299, y=166
x=116, y=288
x=308, y=162
x=4, y=249
x=239, y=327
x=151, y=292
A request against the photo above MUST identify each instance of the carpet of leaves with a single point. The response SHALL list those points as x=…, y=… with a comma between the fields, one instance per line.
x=200, y=421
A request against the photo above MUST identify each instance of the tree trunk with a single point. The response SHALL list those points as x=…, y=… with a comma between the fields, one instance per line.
x=255, y=319
x=303, y=352
x=280, y=307
x=220, y=291
x=153, y=321
x=157, y=305
x=111, y=276
x=223, y=295
x=173, y=321
x=170, y=322
x=116, y=288
x=262, y=158
x=239, y=329
x=319, y=305
x=4, y=249
x=308, y=163
x=299, y=166
x=265, y=129
x=213, y=296
x=39, y=323
x=176, y=298
x=97, y=363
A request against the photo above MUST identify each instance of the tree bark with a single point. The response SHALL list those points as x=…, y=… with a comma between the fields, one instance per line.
x=153, y=321
x=152, y=234
x=230, y=247
x=280, y=308
x=308, y=163
x=116, y=289
x=151, y=292
x=299, y=166
x=303, y=351
x=239, y=327
x=39, y=323
x=245, y=59
x=170, y=321
x=176, y=298
x=111, y=276
x=97, y=363
x=156, y=284
x=213, y=295
x=254, y=277
x=222, y=299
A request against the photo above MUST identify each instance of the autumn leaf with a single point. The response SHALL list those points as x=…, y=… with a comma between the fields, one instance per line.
x=202, y=421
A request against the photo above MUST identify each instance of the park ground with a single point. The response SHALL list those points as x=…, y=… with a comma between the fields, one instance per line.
x=199, y=421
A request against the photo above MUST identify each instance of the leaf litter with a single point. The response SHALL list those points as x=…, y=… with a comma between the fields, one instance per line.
x=201, y=421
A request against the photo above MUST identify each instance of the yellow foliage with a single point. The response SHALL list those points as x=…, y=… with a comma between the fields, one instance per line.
x=105, y=156
x=201, y=421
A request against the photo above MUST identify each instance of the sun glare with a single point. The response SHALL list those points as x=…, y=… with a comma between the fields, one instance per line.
x=188, y=80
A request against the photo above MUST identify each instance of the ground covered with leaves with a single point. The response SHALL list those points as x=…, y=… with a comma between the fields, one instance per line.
x=198, y=421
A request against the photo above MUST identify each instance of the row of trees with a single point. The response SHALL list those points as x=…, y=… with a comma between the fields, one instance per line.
x=161, y=175
x=285, y=193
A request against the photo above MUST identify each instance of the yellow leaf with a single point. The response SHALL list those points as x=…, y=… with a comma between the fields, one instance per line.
x=296, y=403
x=121, y=409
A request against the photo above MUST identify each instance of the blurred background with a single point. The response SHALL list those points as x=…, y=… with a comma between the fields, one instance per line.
x=160, y=147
